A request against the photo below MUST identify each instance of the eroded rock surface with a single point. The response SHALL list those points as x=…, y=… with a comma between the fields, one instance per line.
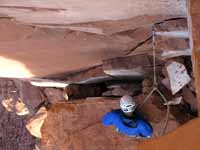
x=13, y=134
x=30, y=95
x=78, y=126
x=54, y=95
x=35, y=123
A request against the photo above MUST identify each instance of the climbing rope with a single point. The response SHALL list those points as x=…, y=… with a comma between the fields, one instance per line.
x=155, y=84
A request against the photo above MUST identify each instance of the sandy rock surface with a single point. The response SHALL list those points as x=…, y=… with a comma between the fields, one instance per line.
x=78, y=126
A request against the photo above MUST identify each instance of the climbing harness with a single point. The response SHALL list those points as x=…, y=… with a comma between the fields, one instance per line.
x=155, y=83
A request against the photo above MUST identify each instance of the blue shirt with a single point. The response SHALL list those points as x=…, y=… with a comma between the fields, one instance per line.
x=129, y=121
x=132, y=126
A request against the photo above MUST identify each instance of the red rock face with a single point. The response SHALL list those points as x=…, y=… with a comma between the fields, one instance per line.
x=78, y=126
x=194, y=12
x=184, y=138
x=187, y=136
x=54, y=95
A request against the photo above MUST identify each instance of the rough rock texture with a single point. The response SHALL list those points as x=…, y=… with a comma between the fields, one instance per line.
x=194, y=16
x=86, y=74
x=77, y=126
x=66, y=12
x=172, y=38
x=16, y=106
x=30, y=95
x=123, y=89
x=184, y=138
x=129, y=62
x=173, y=25
x=75, y=50
x=177, y=75
x=13, y=134
x=83, y=91
x=109, y=27
x=136, y=66
x=171, y=44
x=191, y=99
x=54, y=95
x=61, y=51
x=35, y=123
x=154, y=111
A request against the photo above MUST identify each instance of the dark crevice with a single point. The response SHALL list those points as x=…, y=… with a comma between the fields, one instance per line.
x=139, y=45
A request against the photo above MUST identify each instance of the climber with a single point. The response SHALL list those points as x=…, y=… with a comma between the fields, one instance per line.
x=127, y=120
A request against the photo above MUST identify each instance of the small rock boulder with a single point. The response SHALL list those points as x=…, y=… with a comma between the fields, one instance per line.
x=35, y=123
